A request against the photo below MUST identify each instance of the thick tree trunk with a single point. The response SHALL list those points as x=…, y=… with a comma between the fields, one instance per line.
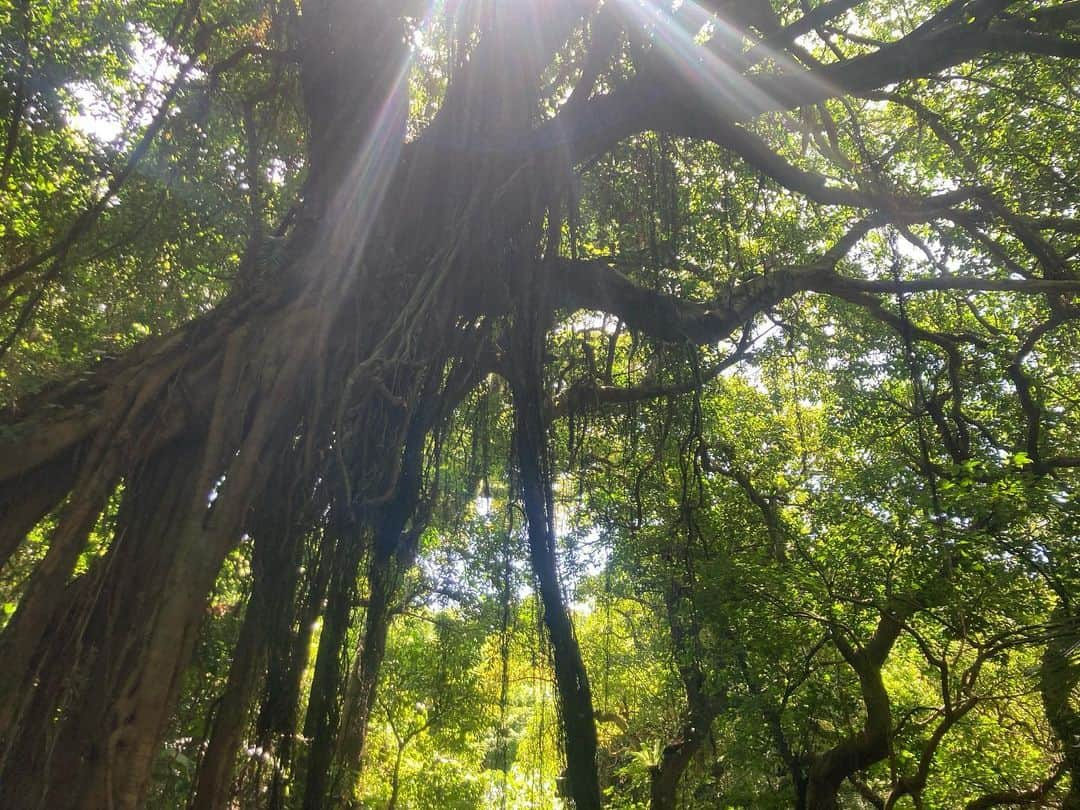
x=242, y=371
x=35, y=709
x=135, y=711
x=384, y=254
x=142, y=615
x=97, y=633
x=858, y=752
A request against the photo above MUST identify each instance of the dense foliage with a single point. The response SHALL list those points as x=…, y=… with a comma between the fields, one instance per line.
x=539, y=403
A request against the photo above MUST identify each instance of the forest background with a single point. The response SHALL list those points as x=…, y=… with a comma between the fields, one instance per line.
x=539, y=403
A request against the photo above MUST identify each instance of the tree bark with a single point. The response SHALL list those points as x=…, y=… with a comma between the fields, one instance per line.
x=702, y=708
x=30, y=499
x=575, y=696
x=1059, y=679
x=22, y=639
x=380, y=272
x=363, y=680
x=393, y=554
x=107, y=635
x=276, y=546
x=859, y=751
x=321, y=724
x=213, y=789
x=288, y=658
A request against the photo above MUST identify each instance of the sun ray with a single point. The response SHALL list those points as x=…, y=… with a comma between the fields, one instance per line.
x=705, y=51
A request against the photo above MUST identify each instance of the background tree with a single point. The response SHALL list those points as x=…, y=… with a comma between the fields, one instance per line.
x=755, y=322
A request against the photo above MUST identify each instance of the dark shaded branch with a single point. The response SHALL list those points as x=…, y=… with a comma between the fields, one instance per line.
x=815, y=17
x=913, y=785
x=588, y=394
x=594, y=285
x=663, y=99
x=839, y=285
x=757, y=153
x=605, y=30
x=767, y=505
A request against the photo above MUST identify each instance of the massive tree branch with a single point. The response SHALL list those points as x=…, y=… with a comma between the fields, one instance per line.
x=665, y=98
x=595, y=285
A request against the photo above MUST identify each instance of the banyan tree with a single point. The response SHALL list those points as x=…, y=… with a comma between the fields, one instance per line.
x=437, y=226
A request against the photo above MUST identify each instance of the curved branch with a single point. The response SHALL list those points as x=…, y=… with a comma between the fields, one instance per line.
x=595, y=285
x=1018, y=798
x=664, y=96
x=587, y=394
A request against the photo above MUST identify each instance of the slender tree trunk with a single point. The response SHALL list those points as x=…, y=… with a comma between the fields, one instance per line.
x=213, y=788
x=363, y=681
x=395, y=781
x=1059, y=680
x=36, y=709
x=288, y=658
x=321, y=724
x=702, y=707
x=579, y=724
x=22, y=639
x=394, y=552
x=275, y=549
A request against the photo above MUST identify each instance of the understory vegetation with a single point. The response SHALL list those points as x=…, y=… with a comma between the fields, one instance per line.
x=539, y=404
